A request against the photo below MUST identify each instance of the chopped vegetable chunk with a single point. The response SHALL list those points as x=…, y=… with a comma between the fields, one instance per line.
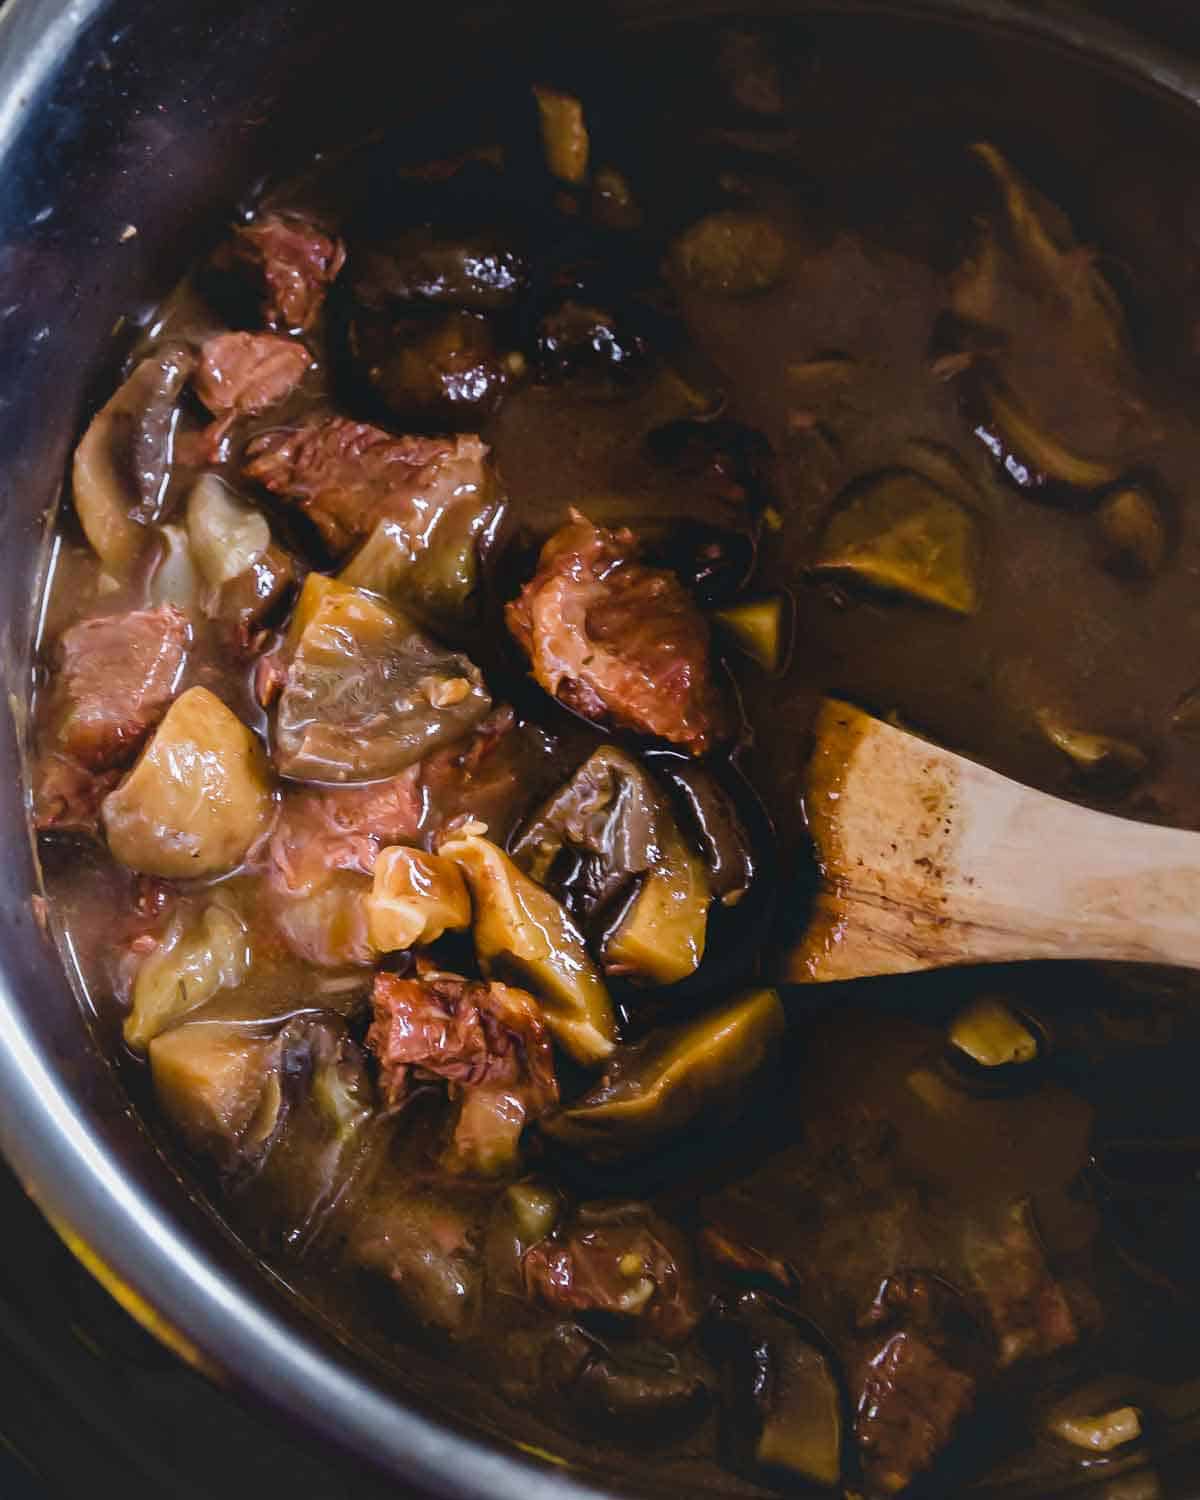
x=520, y=929
x=366, y=693
x=198, y=799
x=897, y=533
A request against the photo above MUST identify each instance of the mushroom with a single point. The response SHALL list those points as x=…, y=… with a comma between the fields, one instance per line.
x=198, y=955
x=675, y=1077
x=786, y=1407
x=121, y=464
x=1133, y=532
x=619, y=828
x=898, y=533
x=761, y=628
x=521, y=931
x=1101, y=1433
x=1056, y=378
x=990, y=1035
x=619, y=1385
x=198, y=797
x=1108, y=763
x=362, y=696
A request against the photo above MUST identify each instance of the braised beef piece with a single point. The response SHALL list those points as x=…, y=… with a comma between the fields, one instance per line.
x=619, y=643
x=914, y=1380
x=288, y=263
x=909, y=1402
x=342, y=828
x=113, y=680
x=490, y=778
x=320, y=859
x=347, y=475
x=622, y=1263
x=1028, y=1307
x=487, y=1041
x=242, y=374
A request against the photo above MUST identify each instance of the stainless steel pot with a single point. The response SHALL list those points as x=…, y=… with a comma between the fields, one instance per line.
x=126, y=131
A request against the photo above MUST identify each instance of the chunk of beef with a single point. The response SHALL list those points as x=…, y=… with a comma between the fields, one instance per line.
x=346, y=476
x=617, y=1262
x=320, y=859
x=618, y=642
x=290, y=264
x=487, y=1041
x=915, y=1376
x=114, y=679
x=491, y=778
x=1027, y=1306
x=242, y=374
x=910, y=1399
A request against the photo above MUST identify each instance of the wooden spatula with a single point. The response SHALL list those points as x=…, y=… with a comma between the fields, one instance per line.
x=927, y=859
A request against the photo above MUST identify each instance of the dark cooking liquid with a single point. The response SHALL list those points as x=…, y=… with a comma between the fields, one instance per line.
x=861, y=167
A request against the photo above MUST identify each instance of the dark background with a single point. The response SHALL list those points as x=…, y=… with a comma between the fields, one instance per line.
x=90, y=1404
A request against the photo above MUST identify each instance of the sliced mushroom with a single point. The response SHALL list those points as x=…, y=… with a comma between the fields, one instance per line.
x=624, y=1386
x=175, y=579
x=121, y=465
x=198, y=798
x=761, y=628
x=785, y=1406
x=198, y=955
x=1133, y=532
x=898, y=533
x=677, y=1076
x=523, y=1214
x=415, y=898
x=731, y=252
x=565, y=140
x=615, y=826
x=366, y=693
x=1108, y=763
x=1056, y=376
x=522, y=932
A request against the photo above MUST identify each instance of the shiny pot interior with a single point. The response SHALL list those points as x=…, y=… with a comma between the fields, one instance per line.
x=128, y=133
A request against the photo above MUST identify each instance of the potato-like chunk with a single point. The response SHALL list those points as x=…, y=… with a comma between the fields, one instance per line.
x=197, y=799
x=897, y=533
x=522, y=933
x=661, y=937
x=416, y=897
x=565, y=139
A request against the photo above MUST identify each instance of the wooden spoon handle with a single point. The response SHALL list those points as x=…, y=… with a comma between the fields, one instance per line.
x=928, y=859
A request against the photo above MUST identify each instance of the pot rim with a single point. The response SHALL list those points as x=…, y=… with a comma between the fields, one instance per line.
x=156, y=1267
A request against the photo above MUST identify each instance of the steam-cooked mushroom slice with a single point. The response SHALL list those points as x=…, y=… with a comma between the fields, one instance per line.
x=897, y=533
x=786, y=1407
x=1057, y=378
x=122, y=462
x=1108, y=763
x=522, y=933
x=619, y=827
x=990, y=1035
x=198, y=798
x=366, y=693
x=1133, y=532
x=676, y=1077
x=621, y=1385
x=761, y=628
